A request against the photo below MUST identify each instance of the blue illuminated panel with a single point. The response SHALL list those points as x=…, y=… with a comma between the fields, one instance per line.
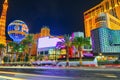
x=106, y=40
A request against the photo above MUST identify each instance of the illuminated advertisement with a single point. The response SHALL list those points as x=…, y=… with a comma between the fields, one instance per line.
x=47, y=42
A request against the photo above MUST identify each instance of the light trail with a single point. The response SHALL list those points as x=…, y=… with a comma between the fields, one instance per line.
x=107, y=75
x=34, y=75
x=11, y=78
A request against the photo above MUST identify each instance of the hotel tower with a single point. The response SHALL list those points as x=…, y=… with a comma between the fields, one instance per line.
x=112, y=10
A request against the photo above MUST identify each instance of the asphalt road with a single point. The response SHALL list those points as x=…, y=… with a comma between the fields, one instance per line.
x=59, y=74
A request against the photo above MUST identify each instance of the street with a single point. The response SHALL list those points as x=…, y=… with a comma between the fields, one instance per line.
x=59, y=74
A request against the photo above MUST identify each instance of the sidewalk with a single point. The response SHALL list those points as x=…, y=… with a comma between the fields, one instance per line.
x=64, y=67
x=112, y=66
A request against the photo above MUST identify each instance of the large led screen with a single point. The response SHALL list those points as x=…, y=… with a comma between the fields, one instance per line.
x=47, y=42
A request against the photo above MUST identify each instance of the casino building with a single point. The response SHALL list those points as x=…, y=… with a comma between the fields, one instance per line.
x=102, y=24
x=49, y=47
x=105, y=39
x=45, y=46
x=108, y=6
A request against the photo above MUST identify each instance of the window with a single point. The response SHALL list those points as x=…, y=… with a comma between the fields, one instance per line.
x=93, y=12
x=102, y=18
x=112, y=3
x=102, y=8
x=113, y=12
x=107, y=5
x=118, y=1
x=90, y=23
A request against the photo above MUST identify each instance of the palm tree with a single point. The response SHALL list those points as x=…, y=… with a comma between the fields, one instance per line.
x=27, y=42
x=79, y=42
x=14, y=50
x=1, y=48
x=23, y=46
x=1, y=51
x=67, y=43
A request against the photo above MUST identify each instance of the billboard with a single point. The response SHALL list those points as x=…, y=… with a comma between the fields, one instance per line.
x=47, y=42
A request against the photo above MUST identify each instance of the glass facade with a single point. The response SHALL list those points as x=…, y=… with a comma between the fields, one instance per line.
x=106, y=40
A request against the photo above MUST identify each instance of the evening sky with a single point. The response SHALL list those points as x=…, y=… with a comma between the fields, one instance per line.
x=61, y=16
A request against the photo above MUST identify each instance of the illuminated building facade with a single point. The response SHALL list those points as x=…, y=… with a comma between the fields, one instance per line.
x=45, y=31
x=47, y=47
x=102, y=24
x=44, y=51
x=3, y=23
x=107, y=6
x=109, y=44
x=106, y=43
x=105, y=38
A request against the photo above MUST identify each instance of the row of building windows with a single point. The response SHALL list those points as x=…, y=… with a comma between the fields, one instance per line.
x=115, y=22
x=101, y=7
x=118, y=1
x=102, y=18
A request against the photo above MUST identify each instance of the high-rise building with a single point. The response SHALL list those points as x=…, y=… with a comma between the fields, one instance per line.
x=105, y=40
x=106, y=43
x=107, y=6
x=3, y=23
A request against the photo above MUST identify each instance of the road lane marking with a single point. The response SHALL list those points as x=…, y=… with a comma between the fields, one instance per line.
x=12, y=78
